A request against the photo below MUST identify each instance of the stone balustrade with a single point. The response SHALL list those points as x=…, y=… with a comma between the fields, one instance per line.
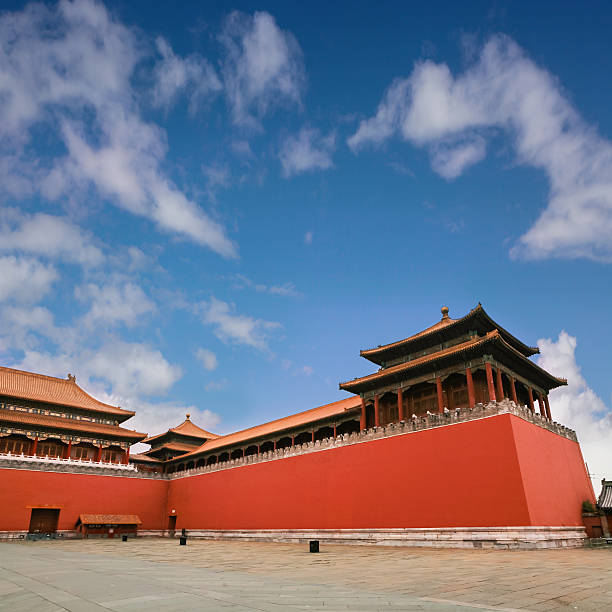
x=48, y=463
x=414, y=424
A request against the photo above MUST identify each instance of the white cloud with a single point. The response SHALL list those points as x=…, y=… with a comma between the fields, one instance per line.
x=70, y=67
x=112, y=304
x=286, y=290
x=217, y=177
x=308, y=236
x=237, y=328
x=207, y=358
x=48, y=235
x=309, y=150
x=504, y=89
x=175, y=75
x=577, y=406
x=24, y=280
x=217, y=385
x=451, y=160
x=262, y=67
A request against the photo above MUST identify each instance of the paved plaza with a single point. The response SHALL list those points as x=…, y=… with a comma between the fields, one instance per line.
x=158, y=574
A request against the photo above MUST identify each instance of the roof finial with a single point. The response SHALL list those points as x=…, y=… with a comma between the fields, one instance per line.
x=71, y=378
x=187, y=415
x=444, y=312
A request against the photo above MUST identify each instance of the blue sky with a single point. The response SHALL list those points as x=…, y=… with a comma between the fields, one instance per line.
x=212, y=208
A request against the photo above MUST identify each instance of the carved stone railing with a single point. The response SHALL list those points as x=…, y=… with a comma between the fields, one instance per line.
x=46, y=463
x=429, y=421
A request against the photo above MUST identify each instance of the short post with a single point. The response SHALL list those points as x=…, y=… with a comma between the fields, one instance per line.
x=314, y=546
x=124, y=538
x=183, y=541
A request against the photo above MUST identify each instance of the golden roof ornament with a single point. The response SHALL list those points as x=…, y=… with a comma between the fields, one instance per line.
x=444, y=312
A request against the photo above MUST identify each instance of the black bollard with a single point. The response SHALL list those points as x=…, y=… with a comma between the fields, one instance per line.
x=124, y=538
x=314, y=546
x=183, y=540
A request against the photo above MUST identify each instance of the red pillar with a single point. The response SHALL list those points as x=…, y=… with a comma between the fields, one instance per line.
x=513, y=391
x=34, y=446
x=470, y=386
x=312, y=435
x=376, y=412
x=127, y=455
x=440, y=396
x=274, y=444
x=68, y=449
x=293, y=439
x=400, y=405
x=258, y=445
x=500, y=385
x=362, y=421
x=530, y=396
x=99, y=455
x=490, y=384
x=335, y=433
x=547, y=405
x=541, y=405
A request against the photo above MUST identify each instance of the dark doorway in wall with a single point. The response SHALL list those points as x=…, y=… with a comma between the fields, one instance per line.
x=44, y=520
x=171, y=525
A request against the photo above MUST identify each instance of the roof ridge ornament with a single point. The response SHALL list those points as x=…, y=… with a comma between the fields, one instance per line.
x=71, y=377
x=444, y=311
x=187, y=415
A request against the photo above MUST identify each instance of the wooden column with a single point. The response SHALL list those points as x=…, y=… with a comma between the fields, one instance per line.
x=490, y=384
x=376, y=411
x=440, y=395
x=513, y=391
x=335, y=430
x=99, y=455
x=547, y=407
x=274, y=444
x=258, y=445
x=541, y=405
x=362, y=420
x=127, y=455
x=470, y=386
x=500, y=385
x=312, y=436
x=293, y=439
x=400, y=405
x=530, y=396
x=68, y=449
x=35, y=446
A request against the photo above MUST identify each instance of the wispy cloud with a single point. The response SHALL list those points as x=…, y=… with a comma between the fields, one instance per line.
x=504, y=89
x=286, y=290
x=308, y=150
x=70, y=66
x=234, y=328
x=262, y=67
x=207, y=358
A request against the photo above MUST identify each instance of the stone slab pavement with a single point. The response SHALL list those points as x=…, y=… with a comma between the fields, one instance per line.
x=158, y=574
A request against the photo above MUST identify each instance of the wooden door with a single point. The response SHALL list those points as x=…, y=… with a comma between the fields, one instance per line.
x=43, y=520
x=172, y=524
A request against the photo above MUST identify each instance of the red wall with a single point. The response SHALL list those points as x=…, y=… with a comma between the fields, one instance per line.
x=79, y=494
x=554, y=475
x=461, y=475
x=498, y=471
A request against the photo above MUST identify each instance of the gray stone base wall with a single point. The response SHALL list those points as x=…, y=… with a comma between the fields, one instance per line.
x=509, y=538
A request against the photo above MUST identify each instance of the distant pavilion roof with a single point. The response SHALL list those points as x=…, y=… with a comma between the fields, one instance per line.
x=493, y=339
x=605, y=497
x=109, y=519
x=33, y=419
x=48, y=389
x=279, y=425
x=445, y=329
x=144, y=458
x=186, y=428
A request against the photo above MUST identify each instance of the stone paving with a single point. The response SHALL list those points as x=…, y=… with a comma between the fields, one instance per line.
x=157, y=574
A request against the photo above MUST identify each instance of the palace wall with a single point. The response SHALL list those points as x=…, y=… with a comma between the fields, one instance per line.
x=77, y=494
x=554, y=475
x=495, y=471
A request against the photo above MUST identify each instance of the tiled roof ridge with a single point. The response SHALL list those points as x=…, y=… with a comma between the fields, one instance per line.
x=46, y=420
x=72, y=384
x=434, y=328
x=189, y=424
x=493, y=335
